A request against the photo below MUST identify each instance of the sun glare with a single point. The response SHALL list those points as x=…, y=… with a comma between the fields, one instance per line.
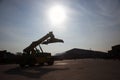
x=57, y=15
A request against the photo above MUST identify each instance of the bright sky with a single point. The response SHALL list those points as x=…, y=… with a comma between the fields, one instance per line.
x=84, y=24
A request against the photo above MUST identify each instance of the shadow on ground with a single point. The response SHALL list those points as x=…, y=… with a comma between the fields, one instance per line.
x=33, y=72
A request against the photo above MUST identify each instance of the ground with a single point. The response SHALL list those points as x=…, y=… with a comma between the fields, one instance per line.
x=81, y=69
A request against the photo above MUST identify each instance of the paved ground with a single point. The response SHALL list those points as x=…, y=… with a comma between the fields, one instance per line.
x=84, y=69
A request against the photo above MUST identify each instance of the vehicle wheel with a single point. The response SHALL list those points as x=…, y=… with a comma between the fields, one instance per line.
x=50, y=63
x=22, y=65
x=41, y=64
x=31, y=65
x=31, y=62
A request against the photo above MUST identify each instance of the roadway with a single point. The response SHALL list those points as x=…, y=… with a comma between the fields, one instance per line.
x=82, y=69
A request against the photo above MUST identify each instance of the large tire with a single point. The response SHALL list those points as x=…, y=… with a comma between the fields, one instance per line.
x=22, y=65
x=27, y=61
x=50, y=62
x=31, y=61
x=31, y=65
x=41, y=64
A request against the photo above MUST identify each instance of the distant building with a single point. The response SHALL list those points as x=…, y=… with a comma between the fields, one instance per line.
x=115, y=52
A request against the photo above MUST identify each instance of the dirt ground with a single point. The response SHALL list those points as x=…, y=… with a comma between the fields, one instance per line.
x=82, y=69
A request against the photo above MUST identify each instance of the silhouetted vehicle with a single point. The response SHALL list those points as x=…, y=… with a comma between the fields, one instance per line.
x=33, y=56
x=7, y=57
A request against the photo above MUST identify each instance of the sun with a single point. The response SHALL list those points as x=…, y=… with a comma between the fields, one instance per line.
x=57, y=15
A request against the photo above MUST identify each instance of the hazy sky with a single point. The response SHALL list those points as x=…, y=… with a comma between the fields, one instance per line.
x=89, y=24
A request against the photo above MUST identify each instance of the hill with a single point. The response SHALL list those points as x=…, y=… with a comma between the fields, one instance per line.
x=76, y=53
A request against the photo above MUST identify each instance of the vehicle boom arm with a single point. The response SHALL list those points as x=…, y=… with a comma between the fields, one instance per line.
x=48, y=38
